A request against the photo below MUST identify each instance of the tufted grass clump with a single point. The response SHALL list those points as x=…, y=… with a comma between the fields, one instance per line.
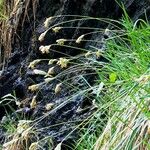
x=122, y=121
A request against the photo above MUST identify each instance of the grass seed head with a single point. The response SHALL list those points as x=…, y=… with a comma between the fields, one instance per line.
x=58, y=88
x=41, y=37
x=47, y=22
x=34, y=63
x=52, y=61
x=33, y=88
x=45, y=49
x=39, y=72
x=33, y=103
x=88, y=54
x=98, y=54
x=107, y=33
x=51, y=71
x=79, y=39
x=33, y=146
x=23, y=125
x=63, y=62
x=61, y=41
x=56, y=29
x=18, y=103
x=47, y=80
x=49, y=106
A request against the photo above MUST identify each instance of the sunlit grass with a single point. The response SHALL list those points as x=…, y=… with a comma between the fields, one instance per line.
x=125, y=98
x=2, y=11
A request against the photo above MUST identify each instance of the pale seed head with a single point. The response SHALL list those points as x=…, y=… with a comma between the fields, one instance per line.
x=51, y=71
x=33, y=88
x=63, y=62
x=23, y=125
x=79, y=39
x=61, y=41
x=98, y=54
x=58, y=88
x=45, y=49
x=47, y=22
x=52, y=61
x=33, y=63
x=56, y=29
x=88, y=54
x=33, y=146
x=49, y=106
x=39, y=72
x=107, y=32
x=18, y=103
x=33, y=103
x=47, y=80
x=41, y=37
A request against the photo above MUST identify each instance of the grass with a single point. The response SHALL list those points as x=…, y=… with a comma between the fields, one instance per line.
x=122, y=121
x=122, y=90
x=2, y=10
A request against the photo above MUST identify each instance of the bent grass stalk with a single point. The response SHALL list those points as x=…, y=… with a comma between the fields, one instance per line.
x=114, y=94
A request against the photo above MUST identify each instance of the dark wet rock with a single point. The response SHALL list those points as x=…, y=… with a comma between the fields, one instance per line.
x=71, y=105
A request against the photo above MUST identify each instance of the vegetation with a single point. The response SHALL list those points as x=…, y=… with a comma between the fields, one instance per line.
x=122, y=117
x=122, y=121
x=2, y=14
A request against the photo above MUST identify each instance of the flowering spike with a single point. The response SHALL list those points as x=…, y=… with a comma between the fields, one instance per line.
x=61, y=41
x=56, y=29
x=33, y=63
x=33, y=88
x=79, y=39
x=33, y=103
x=45, y=49
x=58, y=88
x=88, y=54
x=47, y=22
x=41, y=37
x=49, y=106
x=51, y=71
x=63, y=62
x=47, y=80
x=51, y=61
x=39, y=72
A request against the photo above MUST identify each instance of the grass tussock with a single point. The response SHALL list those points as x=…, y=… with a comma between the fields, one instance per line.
x=122, y=121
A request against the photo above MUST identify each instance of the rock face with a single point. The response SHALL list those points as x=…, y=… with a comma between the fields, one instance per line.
x=67, y=97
